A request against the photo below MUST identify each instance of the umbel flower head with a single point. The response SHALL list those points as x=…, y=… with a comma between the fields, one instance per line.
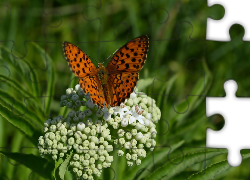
x=84, y=134
x=88, y=142
x=135, y=123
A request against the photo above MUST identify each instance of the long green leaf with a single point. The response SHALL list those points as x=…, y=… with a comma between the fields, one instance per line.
x=56, y=169
x=169, y=170
x=214, y=170
x=159, y=157
x=15, y=146
x=23, y=67
x=37, y=164
x=50, y=76
x=149, y=162
x=64, y=165
x=16, y=104
x=22, y=92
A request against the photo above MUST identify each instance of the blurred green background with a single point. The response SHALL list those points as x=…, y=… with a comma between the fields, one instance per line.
x=181, y=70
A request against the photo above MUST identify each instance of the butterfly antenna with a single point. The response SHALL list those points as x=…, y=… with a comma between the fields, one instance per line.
x=113, y=53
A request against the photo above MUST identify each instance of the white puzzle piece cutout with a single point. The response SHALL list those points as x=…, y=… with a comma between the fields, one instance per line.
x=236, y=12
x=236, y=132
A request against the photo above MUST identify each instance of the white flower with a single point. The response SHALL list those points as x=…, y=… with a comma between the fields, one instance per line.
x=149, y=116
x=111, y=110
x=132, y=95
x=128, y=156
x=139, y=136
x=107, y=116
x=121, y=111
x=127, y=145
x=124, y=122
x=120, y=153
x=69, y=90
x=77, y=87
x=138, y=126
x=146, y=122
x=135, y=116
x=80, y=126
x=138, y=162
x=139, y=110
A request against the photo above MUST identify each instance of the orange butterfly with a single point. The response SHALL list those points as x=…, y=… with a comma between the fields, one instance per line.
x=113, y=84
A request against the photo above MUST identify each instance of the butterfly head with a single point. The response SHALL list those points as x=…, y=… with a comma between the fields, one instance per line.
x=100, y=65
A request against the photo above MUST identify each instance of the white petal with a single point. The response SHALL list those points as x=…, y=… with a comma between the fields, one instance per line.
x=132, y=119
x=141, y=120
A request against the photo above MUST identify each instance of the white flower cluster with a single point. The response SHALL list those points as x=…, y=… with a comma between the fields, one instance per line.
x=135, y=121
x=88, y=142
x=87, y=133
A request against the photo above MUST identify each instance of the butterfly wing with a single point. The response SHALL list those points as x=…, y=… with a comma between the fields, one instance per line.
x=123, y=69
x=85, y=70
x=92, y=85
x=131, y=57
x=121, y=86
x=78, y=61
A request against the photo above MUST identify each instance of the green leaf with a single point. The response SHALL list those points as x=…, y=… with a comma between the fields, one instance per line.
x=17, y=105
x=19, y=122
x=22, y=92
x=147, y=162
x=56, y=169
x=37, y=164
x=194, y=101
x=214, y=169
x=23, y=67
x=143, y=83
x=170, y=170
x=64, y=166
x=16, y=145
x=50, y=76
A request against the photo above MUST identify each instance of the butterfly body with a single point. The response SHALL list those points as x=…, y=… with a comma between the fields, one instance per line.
x=102, y=74
x=113, y=84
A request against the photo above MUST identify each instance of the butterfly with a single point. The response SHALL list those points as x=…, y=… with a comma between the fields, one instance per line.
x=113, y=84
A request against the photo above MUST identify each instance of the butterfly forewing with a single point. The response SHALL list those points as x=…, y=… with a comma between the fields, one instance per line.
x=131, y=57
x=78, y=61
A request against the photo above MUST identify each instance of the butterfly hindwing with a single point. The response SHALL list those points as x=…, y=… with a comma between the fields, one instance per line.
x=92, y=85
x=122, y=85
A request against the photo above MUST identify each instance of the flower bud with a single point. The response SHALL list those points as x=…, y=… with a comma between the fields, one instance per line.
x=124, y=122
x=80, y=126
x=69, y=90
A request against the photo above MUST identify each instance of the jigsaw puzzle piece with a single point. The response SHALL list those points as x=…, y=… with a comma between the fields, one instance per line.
x=219, y=30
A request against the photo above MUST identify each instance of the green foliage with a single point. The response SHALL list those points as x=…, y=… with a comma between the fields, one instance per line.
x=63, y=167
